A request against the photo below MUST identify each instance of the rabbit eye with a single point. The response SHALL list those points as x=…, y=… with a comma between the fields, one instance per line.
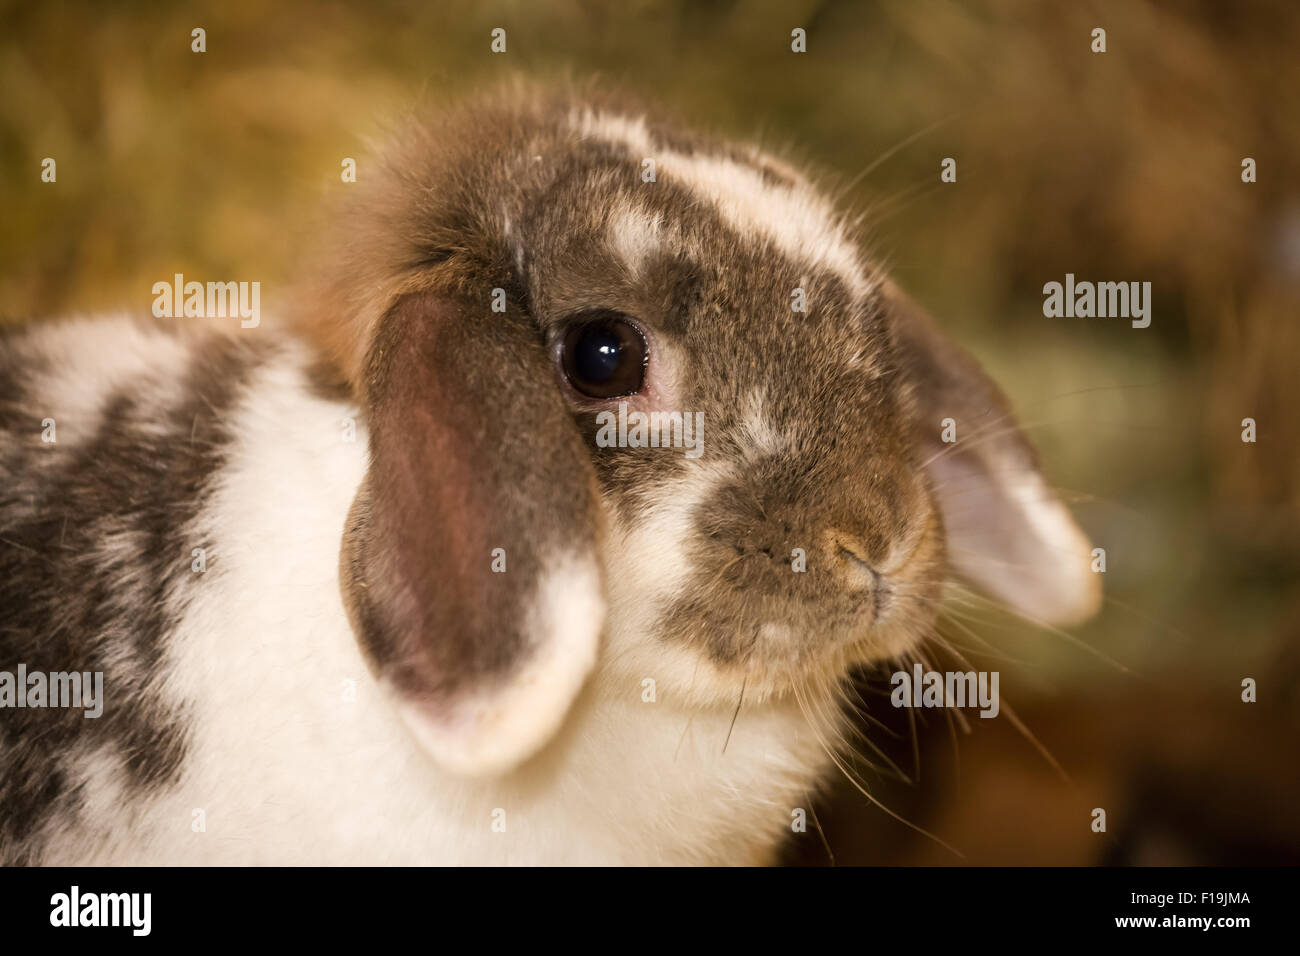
x=604, y=356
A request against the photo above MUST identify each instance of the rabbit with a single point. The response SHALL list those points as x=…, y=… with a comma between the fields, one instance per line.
x=366, y=585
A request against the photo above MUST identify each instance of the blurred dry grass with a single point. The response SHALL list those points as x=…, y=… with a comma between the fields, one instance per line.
x=1120, y=166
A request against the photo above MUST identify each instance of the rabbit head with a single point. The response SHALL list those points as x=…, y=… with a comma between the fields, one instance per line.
x=515, y=287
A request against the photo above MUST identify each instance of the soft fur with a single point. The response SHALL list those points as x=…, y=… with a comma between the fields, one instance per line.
x=349, y=681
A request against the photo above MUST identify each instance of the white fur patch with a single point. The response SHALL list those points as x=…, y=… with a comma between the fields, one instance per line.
x=656, y=538
x=762, y=439
x=78, y=378
x=498, y=728
x=796, y=219
x=635, y=236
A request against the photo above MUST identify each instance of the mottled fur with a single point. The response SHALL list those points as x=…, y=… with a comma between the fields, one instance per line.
x=367, y=566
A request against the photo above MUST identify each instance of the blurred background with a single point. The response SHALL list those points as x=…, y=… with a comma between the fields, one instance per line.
x=1122, y=166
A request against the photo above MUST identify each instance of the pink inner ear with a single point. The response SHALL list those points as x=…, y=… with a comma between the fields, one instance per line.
x=1009, y=534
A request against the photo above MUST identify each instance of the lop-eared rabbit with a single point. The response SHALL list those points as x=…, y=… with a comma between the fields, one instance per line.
x=499, y=626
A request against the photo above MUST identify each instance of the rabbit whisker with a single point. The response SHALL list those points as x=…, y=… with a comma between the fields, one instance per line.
x=735, y=714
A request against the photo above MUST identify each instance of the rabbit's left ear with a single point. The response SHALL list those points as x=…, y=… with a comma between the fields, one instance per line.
x=471, y=558
x=1006, y=529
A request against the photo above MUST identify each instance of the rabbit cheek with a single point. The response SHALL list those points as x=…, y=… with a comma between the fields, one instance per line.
x=765, y=574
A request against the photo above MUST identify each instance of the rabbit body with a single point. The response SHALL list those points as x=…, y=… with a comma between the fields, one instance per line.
x=377, y=587
x=252, y=732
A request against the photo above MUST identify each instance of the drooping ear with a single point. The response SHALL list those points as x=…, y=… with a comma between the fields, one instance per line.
x=471, y=558
x=1007, y=531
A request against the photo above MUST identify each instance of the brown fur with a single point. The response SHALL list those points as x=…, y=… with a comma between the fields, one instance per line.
x=473, y=444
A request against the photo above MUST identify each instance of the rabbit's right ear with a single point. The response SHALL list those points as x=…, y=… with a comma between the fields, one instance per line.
x=1006, y=529
x=471, y=558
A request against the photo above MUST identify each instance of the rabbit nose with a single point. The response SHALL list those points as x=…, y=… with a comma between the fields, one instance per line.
x=854, y=567
x=866, y=565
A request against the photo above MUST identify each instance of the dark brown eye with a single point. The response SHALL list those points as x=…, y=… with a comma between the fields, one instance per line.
x=604, y=356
